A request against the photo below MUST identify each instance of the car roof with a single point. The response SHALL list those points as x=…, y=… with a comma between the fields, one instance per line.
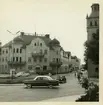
x=42, y=76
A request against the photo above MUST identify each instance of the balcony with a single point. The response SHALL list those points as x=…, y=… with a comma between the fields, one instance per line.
x=38, y=54
x=16, y=63
x=54, y=63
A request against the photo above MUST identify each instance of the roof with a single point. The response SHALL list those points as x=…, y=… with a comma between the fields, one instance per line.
x=94, y=13
x=26, y=40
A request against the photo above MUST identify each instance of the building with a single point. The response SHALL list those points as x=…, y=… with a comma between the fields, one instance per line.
x=75, y=62
x=36, y=53
x=92, y=27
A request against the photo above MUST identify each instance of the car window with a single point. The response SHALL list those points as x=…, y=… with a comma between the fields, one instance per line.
x=39, y=78
x=45, y=78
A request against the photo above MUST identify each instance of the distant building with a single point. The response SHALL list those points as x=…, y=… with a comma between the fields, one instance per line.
x=34, y=53
x=75, y=62
x=92, y=27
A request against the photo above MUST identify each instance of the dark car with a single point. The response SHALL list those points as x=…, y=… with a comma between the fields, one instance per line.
x=42, y=81
x=61, y=79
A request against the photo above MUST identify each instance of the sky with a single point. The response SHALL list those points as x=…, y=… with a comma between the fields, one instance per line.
x=62, y=19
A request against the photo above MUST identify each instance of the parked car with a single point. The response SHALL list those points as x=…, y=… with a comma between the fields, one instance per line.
x=41, y=81
x=19, y=74
x=61, y=79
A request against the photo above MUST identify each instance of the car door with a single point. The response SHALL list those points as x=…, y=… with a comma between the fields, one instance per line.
x=45, y=81
x=37, y=81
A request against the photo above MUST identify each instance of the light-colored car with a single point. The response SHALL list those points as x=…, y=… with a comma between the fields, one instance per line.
x=22, y=74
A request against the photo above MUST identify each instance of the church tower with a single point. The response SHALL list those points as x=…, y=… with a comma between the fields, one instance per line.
x=92, y=27
x=93, y=21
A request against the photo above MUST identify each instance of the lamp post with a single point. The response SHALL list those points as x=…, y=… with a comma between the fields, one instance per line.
x=11, y=72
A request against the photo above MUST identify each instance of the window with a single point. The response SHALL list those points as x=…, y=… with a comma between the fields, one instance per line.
x=17, y=50
x=13, y=59
x=20, y=59
x=16, y=59
x=20, y=50
x=57, y=59
x=45, y=51
x=45, y=59
x=6, y=51
x=5, y=58
x=44, y=67
x=34, y=59
x=14, y=50
x=41, y=51
x=40, y=60
x=2, y=59
x=35, y=44
x=91, y=23
x=95, y=23
x=29, y=59
x=30, y=67
x=53, y=59
x=45, y=78
x=3, y=51
x=57, y=52
x=40, y=44
x=5, y=66
x=96, y=70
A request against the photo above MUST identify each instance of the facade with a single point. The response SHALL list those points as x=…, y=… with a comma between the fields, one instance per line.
x=75, y=62
x=92, y=27
x=34, y=53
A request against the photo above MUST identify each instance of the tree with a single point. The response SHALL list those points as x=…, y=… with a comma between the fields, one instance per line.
x=92, y=49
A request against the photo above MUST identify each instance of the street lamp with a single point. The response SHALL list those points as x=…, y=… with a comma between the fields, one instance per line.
x=12, y=51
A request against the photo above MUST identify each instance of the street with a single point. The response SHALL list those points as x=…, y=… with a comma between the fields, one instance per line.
x=18, y=92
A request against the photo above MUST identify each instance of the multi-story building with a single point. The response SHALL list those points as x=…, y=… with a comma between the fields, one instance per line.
x=92, y=27
x=34, y=53
x=75, y=62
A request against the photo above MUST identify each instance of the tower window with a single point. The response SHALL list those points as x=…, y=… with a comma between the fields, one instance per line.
x=95, y=23
x=91, y=23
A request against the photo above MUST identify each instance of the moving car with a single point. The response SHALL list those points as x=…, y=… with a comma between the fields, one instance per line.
x=41, y=81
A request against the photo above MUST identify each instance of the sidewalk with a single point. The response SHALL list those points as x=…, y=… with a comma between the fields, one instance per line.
x=64, y=99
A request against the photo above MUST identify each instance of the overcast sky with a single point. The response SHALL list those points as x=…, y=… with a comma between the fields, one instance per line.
x=62, y=19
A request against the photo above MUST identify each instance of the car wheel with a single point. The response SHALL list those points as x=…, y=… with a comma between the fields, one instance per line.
x=50, y=86
x=29, y=85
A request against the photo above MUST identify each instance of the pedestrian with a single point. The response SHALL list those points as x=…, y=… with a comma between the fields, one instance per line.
x=50, y=74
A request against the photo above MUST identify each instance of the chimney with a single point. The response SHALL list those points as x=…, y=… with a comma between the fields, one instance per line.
x=22, y=33
x=47, y=36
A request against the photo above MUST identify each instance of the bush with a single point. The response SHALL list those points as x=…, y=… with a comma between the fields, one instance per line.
x=92, y=94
